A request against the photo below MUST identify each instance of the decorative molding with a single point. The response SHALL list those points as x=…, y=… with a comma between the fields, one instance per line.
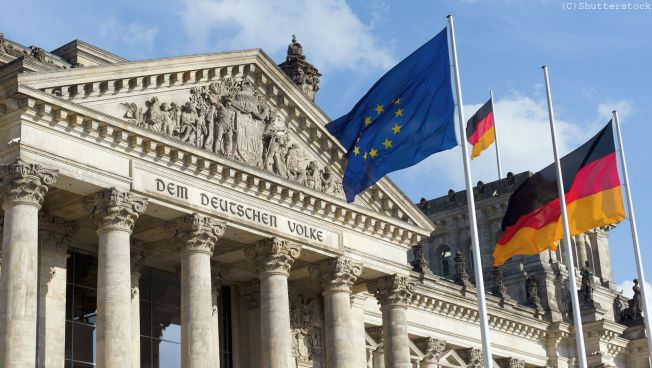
x=392, y=290
x=274, y=256
x=196, y=233
x=337, y=274
x=25, y=183
x=55, y=234
x=113, y=209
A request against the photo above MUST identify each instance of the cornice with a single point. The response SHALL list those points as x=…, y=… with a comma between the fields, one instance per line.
x=98, y=128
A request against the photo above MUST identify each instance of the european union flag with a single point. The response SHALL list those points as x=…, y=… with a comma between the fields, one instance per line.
x=404, y=118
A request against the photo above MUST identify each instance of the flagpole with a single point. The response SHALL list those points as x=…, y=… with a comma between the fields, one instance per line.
x=632, y=224
x=577, y=317
x=493, y=111
x=477, y=259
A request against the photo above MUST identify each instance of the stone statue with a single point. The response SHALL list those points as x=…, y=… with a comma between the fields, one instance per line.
x=461, y=277
x=224, y=127
x=532, y=291
x=420, y=263
x=277, y=138
x=499, y=289
x=634, y=312
x=587, y=283
x=301, y=72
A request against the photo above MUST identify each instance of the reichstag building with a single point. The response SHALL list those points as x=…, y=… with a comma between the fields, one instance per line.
x=189, y=212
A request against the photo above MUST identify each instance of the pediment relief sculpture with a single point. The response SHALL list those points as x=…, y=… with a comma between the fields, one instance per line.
x=231, y=119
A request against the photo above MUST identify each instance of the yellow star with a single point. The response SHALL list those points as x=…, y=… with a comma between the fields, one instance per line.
x=373, y=153
x=367, y=120
x=356, y=150
x=398, y=113
x=379, y=109
x=397, y=128
x=387, y=143
x=365, y=155
x=396, y=101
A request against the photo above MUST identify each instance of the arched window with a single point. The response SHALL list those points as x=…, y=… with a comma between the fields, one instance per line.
x=446, y=261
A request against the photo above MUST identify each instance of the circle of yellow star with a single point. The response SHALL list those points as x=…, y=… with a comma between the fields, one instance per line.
x=398, y=113
x=387, y=143
x=365, y=155
x=396, y=101
x=397, y=128
x=367, y=120
x=379, y=109
x=373, y=153
x=356, y=150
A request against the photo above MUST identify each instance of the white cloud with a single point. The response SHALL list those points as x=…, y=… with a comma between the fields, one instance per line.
x=626, y=288
x=135, y=36
x=332, y=35
x=524, y=138
x=623, y=107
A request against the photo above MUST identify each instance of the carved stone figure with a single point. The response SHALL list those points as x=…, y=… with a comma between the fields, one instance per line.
x=587, y=284
x=499, y=289
x=420, y=264
x=232, y=119
x=461, y=277
x=532, y=291
x=301, y=72
x=634, y=311
x=306, y=331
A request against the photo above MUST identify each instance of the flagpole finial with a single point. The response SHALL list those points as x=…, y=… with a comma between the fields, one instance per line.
x=613, y=112
x=449, y=16
x=544, y=66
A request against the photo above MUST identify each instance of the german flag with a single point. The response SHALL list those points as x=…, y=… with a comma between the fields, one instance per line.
x=480, y=129
x=593, y=198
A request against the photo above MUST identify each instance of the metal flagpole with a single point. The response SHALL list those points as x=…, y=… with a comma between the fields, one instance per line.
x=477, y=259
x=632, y=224
x=493, y=111
x=577, y=317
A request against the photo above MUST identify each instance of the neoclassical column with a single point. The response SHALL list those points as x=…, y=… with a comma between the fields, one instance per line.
x=359, y=340
x=217, y=273
x=195, y=236
x=114, y=214
x=337, y=276
x=139, y=253
x=54, y=237
x=378, y=354
x=393, y=294
x=274, y=258
x=432, y=350
x=24, y=186
x=250, y=343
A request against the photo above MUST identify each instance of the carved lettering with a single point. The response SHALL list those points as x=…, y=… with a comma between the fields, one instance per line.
x=306, y=231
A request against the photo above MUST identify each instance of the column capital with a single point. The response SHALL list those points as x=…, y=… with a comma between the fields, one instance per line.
x=337, y=274
x=218, y=272
x=274, y=256
x=113, y=209
x=140, y=252
x=250, y=294
x=392, y=290
x=196, y=233
x=24, y=182
x=55, y=234
x=431, y=348
x=473, y=356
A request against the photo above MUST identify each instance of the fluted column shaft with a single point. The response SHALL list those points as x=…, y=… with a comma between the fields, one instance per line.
x=337, y=276
x=23, y=189
x=393, y=294
x=55, y=237
x=196, y=236
x=114, y=214
x=274, y=259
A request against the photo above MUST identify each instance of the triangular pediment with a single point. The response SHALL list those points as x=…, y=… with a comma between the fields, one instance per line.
x=236, y=105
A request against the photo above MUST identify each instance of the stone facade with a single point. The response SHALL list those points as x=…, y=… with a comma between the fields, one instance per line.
x=204, y=196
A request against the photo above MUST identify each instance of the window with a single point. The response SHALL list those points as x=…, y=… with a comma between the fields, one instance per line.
x=446, y=259
x=81, y=311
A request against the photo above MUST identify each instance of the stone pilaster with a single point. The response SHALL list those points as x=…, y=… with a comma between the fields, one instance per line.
x=274, y=258
x=114, y=213
x=359, y=340
x=54, y=237
x=337, y=276
x=24, y=187
x=432, y=350
x=196, y=236
x=393, y=294
x=250, y=346
x=139, y=253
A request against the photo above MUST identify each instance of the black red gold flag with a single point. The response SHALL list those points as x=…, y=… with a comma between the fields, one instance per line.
x=593, y=198
x=480, y=129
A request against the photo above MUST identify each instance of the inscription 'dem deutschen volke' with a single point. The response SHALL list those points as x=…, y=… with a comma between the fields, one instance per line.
x=239, y=210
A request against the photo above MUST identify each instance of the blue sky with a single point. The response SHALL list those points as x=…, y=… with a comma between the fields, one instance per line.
x=598, y=59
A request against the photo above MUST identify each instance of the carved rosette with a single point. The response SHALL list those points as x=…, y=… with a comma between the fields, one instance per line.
x=25, y=183
x=250, y=294
x=337, y=274
x=196, y=233
x=274, y=256
x=392, y=290
x=113, y=209
x=431, y=348
x=55, y=234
